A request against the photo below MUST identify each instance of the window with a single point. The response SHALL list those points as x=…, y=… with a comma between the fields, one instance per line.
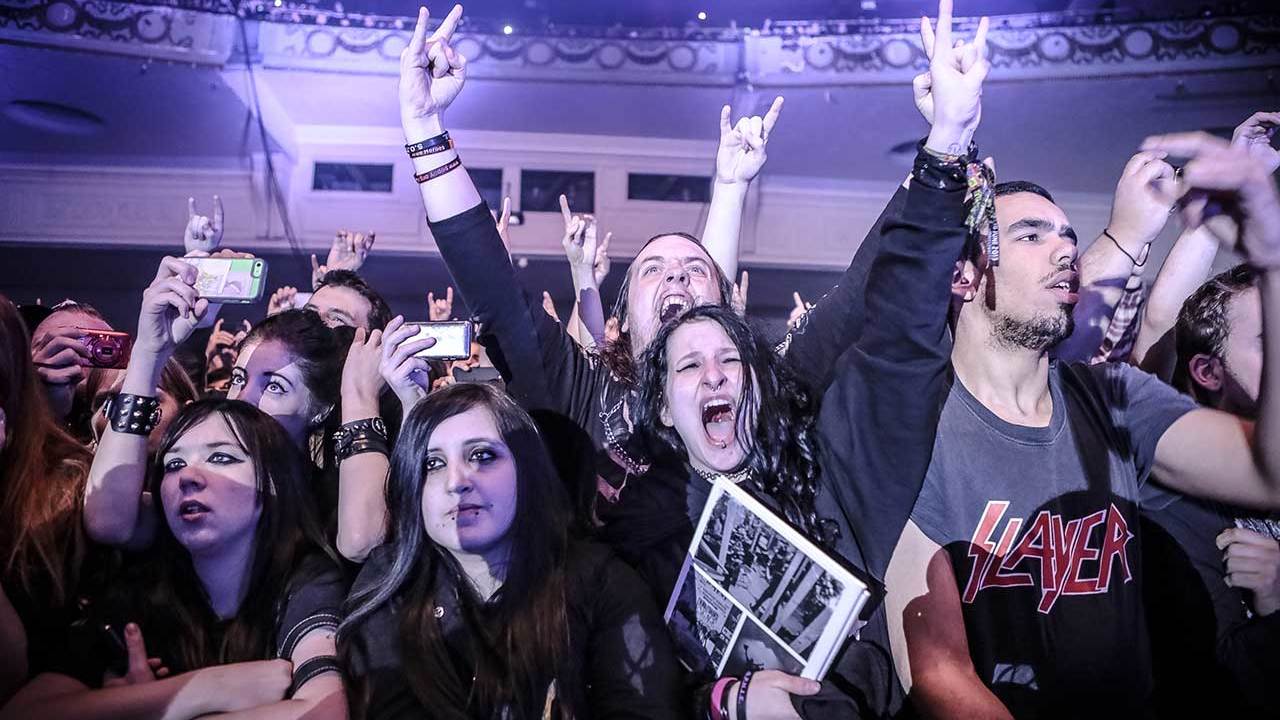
x=540, y=190
x=669, y=188
x=352, y=177
x=489, y=185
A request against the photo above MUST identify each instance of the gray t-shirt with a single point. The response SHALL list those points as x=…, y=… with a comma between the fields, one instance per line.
x=1041, y=526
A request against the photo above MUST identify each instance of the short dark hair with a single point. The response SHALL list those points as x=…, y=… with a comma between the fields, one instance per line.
x=1202, y=326
x=379, y=311
x=1013, y=187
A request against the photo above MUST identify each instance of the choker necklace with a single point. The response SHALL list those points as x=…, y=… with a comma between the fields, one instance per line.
x=734, y=477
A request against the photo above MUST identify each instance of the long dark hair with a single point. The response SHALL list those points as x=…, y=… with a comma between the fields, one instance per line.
x=782, y=452
x=42, y=475
x=529, y=648
x=177, y=616
x=320, y=352
x=616, y=355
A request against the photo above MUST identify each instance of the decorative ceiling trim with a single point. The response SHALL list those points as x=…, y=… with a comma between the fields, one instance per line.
x=1021, y=47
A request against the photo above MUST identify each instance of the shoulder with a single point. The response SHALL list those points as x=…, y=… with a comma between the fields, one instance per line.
x=317, y=589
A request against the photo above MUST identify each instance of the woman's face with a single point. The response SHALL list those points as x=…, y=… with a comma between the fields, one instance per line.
x=469, y=492
x=209, y=490
x=267, y=376
x=703, y=393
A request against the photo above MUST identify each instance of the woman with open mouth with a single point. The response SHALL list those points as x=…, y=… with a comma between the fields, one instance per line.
x=481, y=604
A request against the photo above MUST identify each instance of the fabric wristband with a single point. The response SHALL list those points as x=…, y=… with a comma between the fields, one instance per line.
x=742, y=694
x=430, y=146
x=133, y=414
x=448, y=167
x=719, y=697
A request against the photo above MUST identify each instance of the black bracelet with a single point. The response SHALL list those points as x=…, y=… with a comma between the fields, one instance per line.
x=430, y=146
x=448, y=167
x=369, y=433
x=1144, y=253
x=742, y=694
x=133, y=414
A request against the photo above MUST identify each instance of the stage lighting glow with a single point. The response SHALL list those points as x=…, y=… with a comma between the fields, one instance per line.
x=702, y=14
x=507, y=29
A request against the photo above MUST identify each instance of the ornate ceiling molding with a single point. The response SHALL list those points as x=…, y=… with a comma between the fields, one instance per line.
x=1021, y=47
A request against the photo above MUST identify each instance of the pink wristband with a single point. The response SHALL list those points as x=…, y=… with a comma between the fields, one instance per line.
x=717, y=692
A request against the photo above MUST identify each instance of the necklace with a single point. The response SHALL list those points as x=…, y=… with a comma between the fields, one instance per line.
x=736, y=478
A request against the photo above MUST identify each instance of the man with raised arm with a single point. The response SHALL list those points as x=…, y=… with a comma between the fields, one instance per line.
x=1016, y=588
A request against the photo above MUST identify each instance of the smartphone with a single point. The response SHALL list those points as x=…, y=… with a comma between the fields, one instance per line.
x=453, y=339
x=107, y=348
x=230, y=280
x=478, y=375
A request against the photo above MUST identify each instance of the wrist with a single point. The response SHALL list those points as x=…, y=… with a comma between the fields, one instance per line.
x=417, y=129
x=358, y=405
x=729, y=186
x=584, y=276
x=1131, y=240
x=949, y=139
x=142, y=376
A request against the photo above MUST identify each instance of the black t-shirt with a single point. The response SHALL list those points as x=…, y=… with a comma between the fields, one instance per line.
x=1041, y=526
x=618, y=645
x=1210, y=652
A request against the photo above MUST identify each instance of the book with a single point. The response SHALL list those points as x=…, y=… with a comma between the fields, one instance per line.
x=755, y=594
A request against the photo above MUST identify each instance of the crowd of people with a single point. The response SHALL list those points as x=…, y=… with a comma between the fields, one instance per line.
x=1060, y=484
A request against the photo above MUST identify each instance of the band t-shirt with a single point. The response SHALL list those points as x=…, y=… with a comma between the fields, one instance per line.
x=1041, y=527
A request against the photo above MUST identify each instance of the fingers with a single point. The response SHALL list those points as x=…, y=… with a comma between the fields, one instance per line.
x=922, y=84
x=315, y=264
x=431, y=298
x=417, y=43
x=217, y=328
x=406, y=350
x=1240, y=536
x=506, y=211
x=564, y=210
x=173, y=267
x=603, y=249
x=136, y=649
x=1187, y=144
x=1240, y=551
x=771, y=117
x=927, y=39
x=217, y=213
x=191, y=208
x=726, y=126
x=980, y=38
x=742, y=284
x=448, y=295
x=447, y=26
x=1140, y=160
x=791, y=683
x=795, y=296
x=943, y=34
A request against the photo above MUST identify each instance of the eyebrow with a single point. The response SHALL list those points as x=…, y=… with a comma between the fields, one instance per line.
x=472, y=441
x=207, y=446
x=1042, y=225
x=274, y=374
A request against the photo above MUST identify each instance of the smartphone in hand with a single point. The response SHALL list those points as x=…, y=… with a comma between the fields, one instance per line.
x=230, y=280
x=453, y=339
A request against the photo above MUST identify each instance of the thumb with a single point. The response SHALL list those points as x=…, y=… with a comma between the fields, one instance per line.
x=315, y=264
x=136, y=648
x=797, y=685
x=217, y=327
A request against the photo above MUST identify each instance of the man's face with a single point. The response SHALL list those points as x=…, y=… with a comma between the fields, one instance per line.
x=338, y=306
x=671, y=275
x=1242, y=354
x=1028, y=298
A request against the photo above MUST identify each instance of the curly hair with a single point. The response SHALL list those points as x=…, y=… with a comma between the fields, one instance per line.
x=781, y=446
x=1203, y=324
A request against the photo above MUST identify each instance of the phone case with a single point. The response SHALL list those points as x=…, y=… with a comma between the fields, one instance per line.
x=230, y=280
x=453, y=340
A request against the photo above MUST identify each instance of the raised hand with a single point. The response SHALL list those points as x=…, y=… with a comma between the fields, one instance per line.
x=171, y=308
x=202, y=233
x=349, y=250
x=1255, y=134
x=504, y=224
x=442, y=309
x=224, y=341
x=799, y=311
x=407, y=375
x=60, y=356
x=431, y=71
x=286, y=298
x=579, y=241
x=549, y=306
x=600, y=269
x=1252, y=563
x=742, y=146
x=952, y=92
x=739, y=300
x=1144, y=196
x=362, y=379
x=1236, y=184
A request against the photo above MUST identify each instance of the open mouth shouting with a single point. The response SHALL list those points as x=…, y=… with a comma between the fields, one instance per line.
x=672, y=305
x=718, y=416
x=192, y=510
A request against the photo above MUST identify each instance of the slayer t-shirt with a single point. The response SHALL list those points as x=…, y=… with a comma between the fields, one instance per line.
x=1041, y=526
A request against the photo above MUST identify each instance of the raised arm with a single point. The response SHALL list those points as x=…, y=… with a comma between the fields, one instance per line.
x=113, y=497
x=1139, y=212
x=1185, y=269
x=738, y=161
x=581, y=249
x=1208, y=453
